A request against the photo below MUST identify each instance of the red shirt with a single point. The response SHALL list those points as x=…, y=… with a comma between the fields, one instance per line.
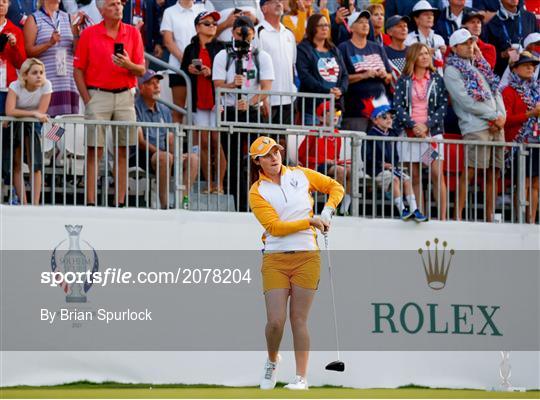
x=516, y=110
x=488, y=51
x=205, y=96
x=326, y=148
x=387, y=40
x=94, y=56
x=534, y=7
x=13, y=55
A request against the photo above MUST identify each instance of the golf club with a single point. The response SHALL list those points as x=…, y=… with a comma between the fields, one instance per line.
x=334, y=365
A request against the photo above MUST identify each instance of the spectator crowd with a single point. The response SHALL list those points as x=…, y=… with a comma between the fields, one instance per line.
x=467, y=67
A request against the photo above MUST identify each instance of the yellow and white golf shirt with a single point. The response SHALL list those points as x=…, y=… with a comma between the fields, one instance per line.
x=284, y=210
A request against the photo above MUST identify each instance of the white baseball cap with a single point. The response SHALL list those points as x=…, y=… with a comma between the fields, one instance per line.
x=460, y=36
x=531, y=38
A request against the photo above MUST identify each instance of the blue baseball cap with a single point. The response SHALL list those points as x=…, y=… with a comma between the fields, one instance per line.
x=149, y=74
x=396, y=19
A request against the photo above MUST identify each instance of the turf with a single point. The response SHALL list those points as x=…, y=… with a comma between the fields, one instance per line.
x=111, y=390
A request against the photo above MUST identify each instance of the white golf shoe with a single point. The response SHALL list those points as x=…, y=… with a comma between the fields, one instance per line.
x=299, y=383
x=270, y=374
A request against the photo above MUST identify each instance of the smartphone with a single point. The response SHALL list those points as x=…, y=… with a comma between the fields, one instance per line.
x=237, y=11
x=345, y=3
x=197, y=62
x=119, y=48
x=3, y=41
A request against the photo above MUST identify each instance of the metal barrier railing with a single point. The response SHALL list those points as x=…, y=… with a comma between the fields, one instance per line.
x=188, y=111
x=46, y=172
x=467, y=180
x=63, y=172
x=293, y=110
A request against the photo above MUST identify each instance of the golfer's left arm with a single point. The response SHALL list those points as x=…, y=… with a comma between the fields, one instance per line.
x=324, y=184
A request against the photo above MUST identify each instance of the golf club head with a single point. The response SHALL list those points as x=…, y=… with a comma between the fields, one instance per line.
x=338, y=366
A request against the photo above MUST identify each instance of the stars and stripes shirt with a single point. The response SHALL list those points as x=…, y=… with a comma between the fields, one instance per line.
x=370, y=57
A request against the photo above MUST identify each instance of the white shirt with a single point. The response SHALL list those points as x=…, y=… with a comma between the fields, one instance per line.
x=433, y=41
x=92, y=12
x=29, y=100
x=180, y=21
x=266, y=72
x=457, y=19
x=281, y=47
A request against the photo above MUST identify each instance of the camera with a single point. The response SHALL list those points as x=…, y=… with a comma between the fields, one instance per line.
x=239, y=48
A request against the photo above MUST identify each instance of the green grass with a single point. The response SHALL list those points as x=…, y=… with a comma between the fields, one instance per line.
x=114, y=390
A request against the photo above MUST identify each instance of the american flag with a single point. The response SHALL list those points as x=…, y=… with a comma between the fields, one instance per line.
x=367, y=62
x=396, y=72
x=55, y=133
x=429, y=155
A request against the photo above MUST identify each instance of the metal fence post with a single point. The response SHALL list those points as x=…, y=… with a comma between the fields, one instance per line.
x=522, y=198
x=189, y=106
x=178, y=166
x=355, y=184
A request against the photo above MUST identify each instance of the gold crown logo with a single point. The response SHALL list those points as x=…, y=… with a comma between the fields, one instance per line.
x=436, y=271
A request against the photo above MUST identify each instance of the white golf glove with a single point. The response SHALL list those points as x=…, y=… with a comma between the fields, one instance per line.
x=326, y=214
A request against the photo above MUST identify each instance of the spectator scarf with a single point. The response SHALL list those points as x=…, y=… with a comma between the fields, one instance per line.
x=473, y=82
x=529, y=92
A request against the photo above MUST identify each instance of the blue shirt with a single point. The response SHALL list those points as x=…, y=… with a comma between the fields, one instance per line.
x=160, y=114
x=371, y=57
x=328, y=68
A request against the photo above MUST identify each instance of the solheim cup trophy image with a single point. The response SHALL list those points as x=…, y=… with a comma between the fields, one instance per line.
x=75, y=261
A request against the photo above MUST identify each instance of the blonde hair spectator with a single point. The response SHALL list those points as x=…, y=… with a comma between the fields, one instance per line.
x=413, y=52
x=27, y=66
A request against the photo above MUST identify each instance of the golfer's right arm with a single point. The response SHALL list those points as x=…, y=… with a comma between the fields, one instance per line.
x=269, y=218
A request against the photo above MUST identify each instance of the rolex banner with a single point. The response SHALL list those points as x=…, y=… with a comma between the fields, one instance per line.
x=431, y=297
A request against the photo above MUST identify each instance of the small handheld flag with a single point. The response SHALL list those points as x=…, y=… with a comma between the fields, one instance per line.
x=55, y=133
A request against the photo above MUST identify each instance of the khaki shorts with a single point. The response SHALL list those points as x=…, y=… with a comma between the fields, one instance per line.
x=480, y=156
x=300, y=268
x=105, y=106
x=384, y=179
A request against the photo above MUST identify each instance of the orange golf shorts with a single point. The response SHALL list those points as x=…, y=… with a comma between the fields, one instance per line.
x=300, y=268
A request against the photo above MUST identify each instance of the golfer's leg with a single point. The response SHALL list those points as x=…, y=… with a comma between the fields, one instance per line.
x=276, y=313
x=301, y=300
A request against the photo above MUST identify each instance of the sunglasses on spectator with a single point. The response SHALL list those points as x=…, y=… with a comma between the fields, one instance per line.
x=386, y=115
x=208, y=23
x=323, y=25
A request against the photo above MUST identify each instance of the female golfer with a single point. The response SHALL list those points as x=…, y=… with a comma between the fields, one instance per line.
x=281, y=201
